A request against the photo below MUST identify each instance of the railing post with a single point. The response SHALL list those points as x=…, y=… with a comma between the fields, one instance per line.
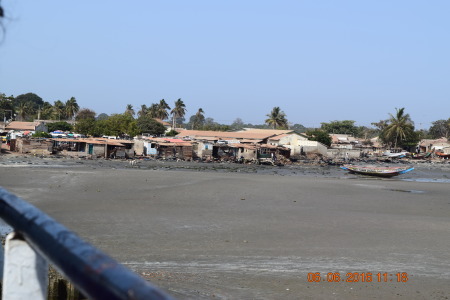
x=25, y=271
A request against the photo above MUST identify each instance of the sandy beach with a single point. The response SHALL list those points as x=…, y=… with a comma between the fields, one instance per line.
x=212, y=231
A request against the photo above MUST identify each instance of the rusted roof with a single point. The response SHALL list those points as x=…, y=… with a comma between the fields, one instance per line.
x=267, y=131
x=92, y=141
x=279, y=137
x=22, y=125
x=225, y=134
x=183, y=144
x=245, y=146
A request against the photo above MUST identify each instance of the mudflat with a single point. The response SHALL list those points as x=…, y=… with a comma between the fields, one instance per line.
x=235, y=235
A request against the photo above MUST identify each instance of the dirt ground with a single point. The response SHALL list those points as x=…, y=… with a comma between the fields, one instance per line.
x=213, y=231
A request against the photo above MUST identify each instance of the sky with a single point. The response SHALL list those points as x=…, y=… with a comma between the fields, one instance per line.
x=318, y=60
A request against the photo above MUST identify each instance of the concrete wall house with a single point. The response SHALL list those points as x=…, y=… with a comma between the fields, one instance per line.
x=26, y=126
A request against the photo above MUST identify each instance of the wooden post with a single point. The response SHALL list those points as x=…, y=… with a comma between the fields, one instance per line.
x=25, y=272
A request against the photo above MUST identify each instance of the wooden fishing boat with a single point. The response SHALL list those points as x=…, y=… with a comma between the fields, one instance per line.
x=442, y=155
x=376, y=170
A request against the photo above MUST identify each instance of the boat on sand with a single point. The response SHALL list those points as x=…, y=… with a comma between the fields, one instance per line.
x=377, y=170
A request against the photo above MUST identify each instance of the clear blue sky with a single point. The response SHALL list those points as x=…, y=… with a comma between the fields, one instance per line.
x=318, y=60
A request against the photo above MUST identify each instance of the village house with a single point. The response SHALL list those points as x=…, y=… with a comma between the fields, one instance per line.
x=427, y=145
x=26, y=127
x=250, y=144
x=35, y=146
x=94, y=147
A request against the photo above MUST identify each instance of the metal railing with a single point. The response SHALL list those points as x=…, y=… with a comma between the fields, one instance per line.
x=94, y=273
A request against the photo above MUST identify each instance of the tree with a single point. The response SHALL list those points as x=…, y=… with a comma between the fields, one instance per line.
x=341, y=127
x=63, y=126
x=198, y=119
x=277, y=118
x=161, y=112
x=319, y=136
x=399, y=128
x=86, y=123
x=33, y=100
x=22, y=110
x=237, y=124
x=440, y=128
x=152, y=111
x=85, y=114
x=129, y=110
x=59, y=110
x=143, y=111
x=298, y=128
x=41, y=134
x=102, y=116
x=46, y=111
x=71, y=108
x=122, y=125
x=85, y=126
x=148, y=125
x=178, y=111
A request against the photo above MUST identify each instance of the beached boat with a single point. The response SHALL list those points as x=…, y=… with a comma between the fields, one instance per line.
x=376, y=170
x=443, y=155
x=395, y=154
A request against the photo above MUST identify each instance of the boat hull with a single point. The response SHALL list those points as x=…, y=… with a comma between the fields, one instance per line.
x=376, y=171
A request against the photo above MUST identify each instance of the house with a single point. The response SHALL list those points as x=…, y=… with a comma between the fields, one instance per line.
x=427, y=145
x=93, y=147
x=37, y=146
x=26, y=126
x=260, y=137
x=295, y=142
x=176, y=150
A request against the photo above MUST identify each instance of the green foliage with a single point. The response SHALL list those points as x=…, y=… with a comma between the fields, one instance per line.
x=299, y=128
x=85, y=114
x=277, y=119
x=440, y=128
x=64, y=126
x=178, y=111
x=85, y=126
x=319, y=136
x=122, y=125
x=71, y=108
x=172, y=133
x=41, y=134
x=102, y=116
x=398, y=129
x=341, y=127
x=197, y=121
x=148, y=125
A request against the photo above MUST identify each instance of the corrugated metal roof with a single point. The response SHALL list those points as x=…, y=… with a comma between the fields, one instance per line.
x=22, y=125
x=223, y=134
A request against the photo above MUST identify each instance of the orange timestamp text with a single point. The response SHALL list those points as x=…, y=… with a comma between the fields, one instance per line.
x=358, y=277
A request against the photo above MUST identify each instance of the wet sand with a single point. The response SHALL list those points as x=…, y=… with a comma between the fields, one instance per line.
x=243, y=234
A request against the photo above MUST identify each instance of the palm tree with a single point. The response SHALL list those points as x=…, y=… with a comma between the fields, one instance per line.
x=277, y=118
x=22, y=110
x=199, y=119
x=129, y=110
x=59, y=110
x=143, y=111
x=178, y=111
x=152, y=111
x=399, y=128
x=162, y=110
x=46, y=111
x=72, y=108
